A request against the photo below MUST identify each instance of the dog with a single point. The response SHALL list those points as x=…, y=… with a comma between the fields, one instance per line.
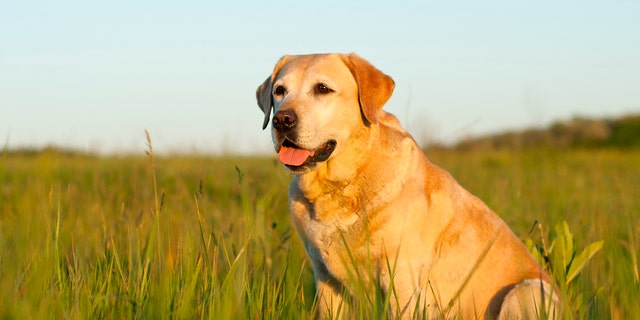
x=370, y=208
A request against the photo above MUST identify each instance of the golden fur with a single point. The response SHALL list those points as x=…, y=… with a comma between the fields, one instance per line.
x=376, y=206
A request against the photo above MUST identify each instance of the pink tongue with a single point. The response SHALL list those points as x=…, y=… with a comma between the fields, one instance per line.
x=293, y=156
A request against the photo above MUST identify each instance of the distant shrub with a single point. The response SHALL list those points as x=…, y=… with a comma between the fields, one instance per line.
x=625, y=133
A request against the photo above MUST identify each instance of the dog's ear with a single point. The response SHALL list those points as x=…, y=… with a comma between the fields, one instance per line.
x=374, y=87
x=264, y=91
x=265, y=101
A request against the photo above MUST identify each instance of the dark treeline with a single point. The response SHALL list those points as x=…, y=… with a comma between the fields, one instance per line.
x=579, y=132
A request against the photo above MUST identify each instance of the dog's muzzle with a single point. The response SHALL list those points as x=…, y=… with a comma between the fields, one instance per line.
x=296, y=158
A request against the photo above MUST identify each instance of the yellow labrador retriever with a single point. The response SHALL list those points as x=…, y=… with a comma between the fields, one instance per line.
x=371, y=208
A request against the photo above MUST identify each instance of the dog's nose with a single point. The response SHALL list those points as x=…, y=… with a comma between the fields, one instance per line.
x=285, y=120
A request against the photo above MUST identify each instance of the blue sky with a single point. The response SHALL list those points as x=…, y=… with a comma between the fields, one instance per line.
x=94, y=75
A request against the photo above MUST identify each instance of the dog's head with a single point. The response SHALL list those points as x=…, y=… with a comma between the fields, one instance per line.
x=320, y=102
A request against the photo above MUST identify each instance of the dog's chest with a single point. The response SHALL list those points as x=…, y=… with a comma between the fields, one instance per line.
x=339, y=240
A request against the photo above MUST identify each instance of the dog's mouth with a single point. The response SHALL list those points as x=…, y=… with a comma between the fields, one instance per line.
x=296, y=158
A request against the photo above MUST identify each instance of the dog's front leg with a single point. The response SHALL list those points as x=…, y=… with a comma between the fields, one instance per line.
x=329, y=295
x=400, y=295
x=407, y=300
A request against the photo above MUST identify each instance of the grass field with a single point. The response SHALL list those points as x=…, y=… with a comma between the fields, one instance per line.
x=210, y=237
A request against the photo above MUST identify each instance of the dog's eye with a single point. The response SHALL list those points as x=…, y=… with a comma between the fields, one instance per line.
x=323, y=89
x=279, y=90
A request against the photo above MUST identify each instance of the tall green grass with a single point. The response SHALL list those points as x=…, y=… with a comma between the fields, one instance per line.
x=210, y=237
